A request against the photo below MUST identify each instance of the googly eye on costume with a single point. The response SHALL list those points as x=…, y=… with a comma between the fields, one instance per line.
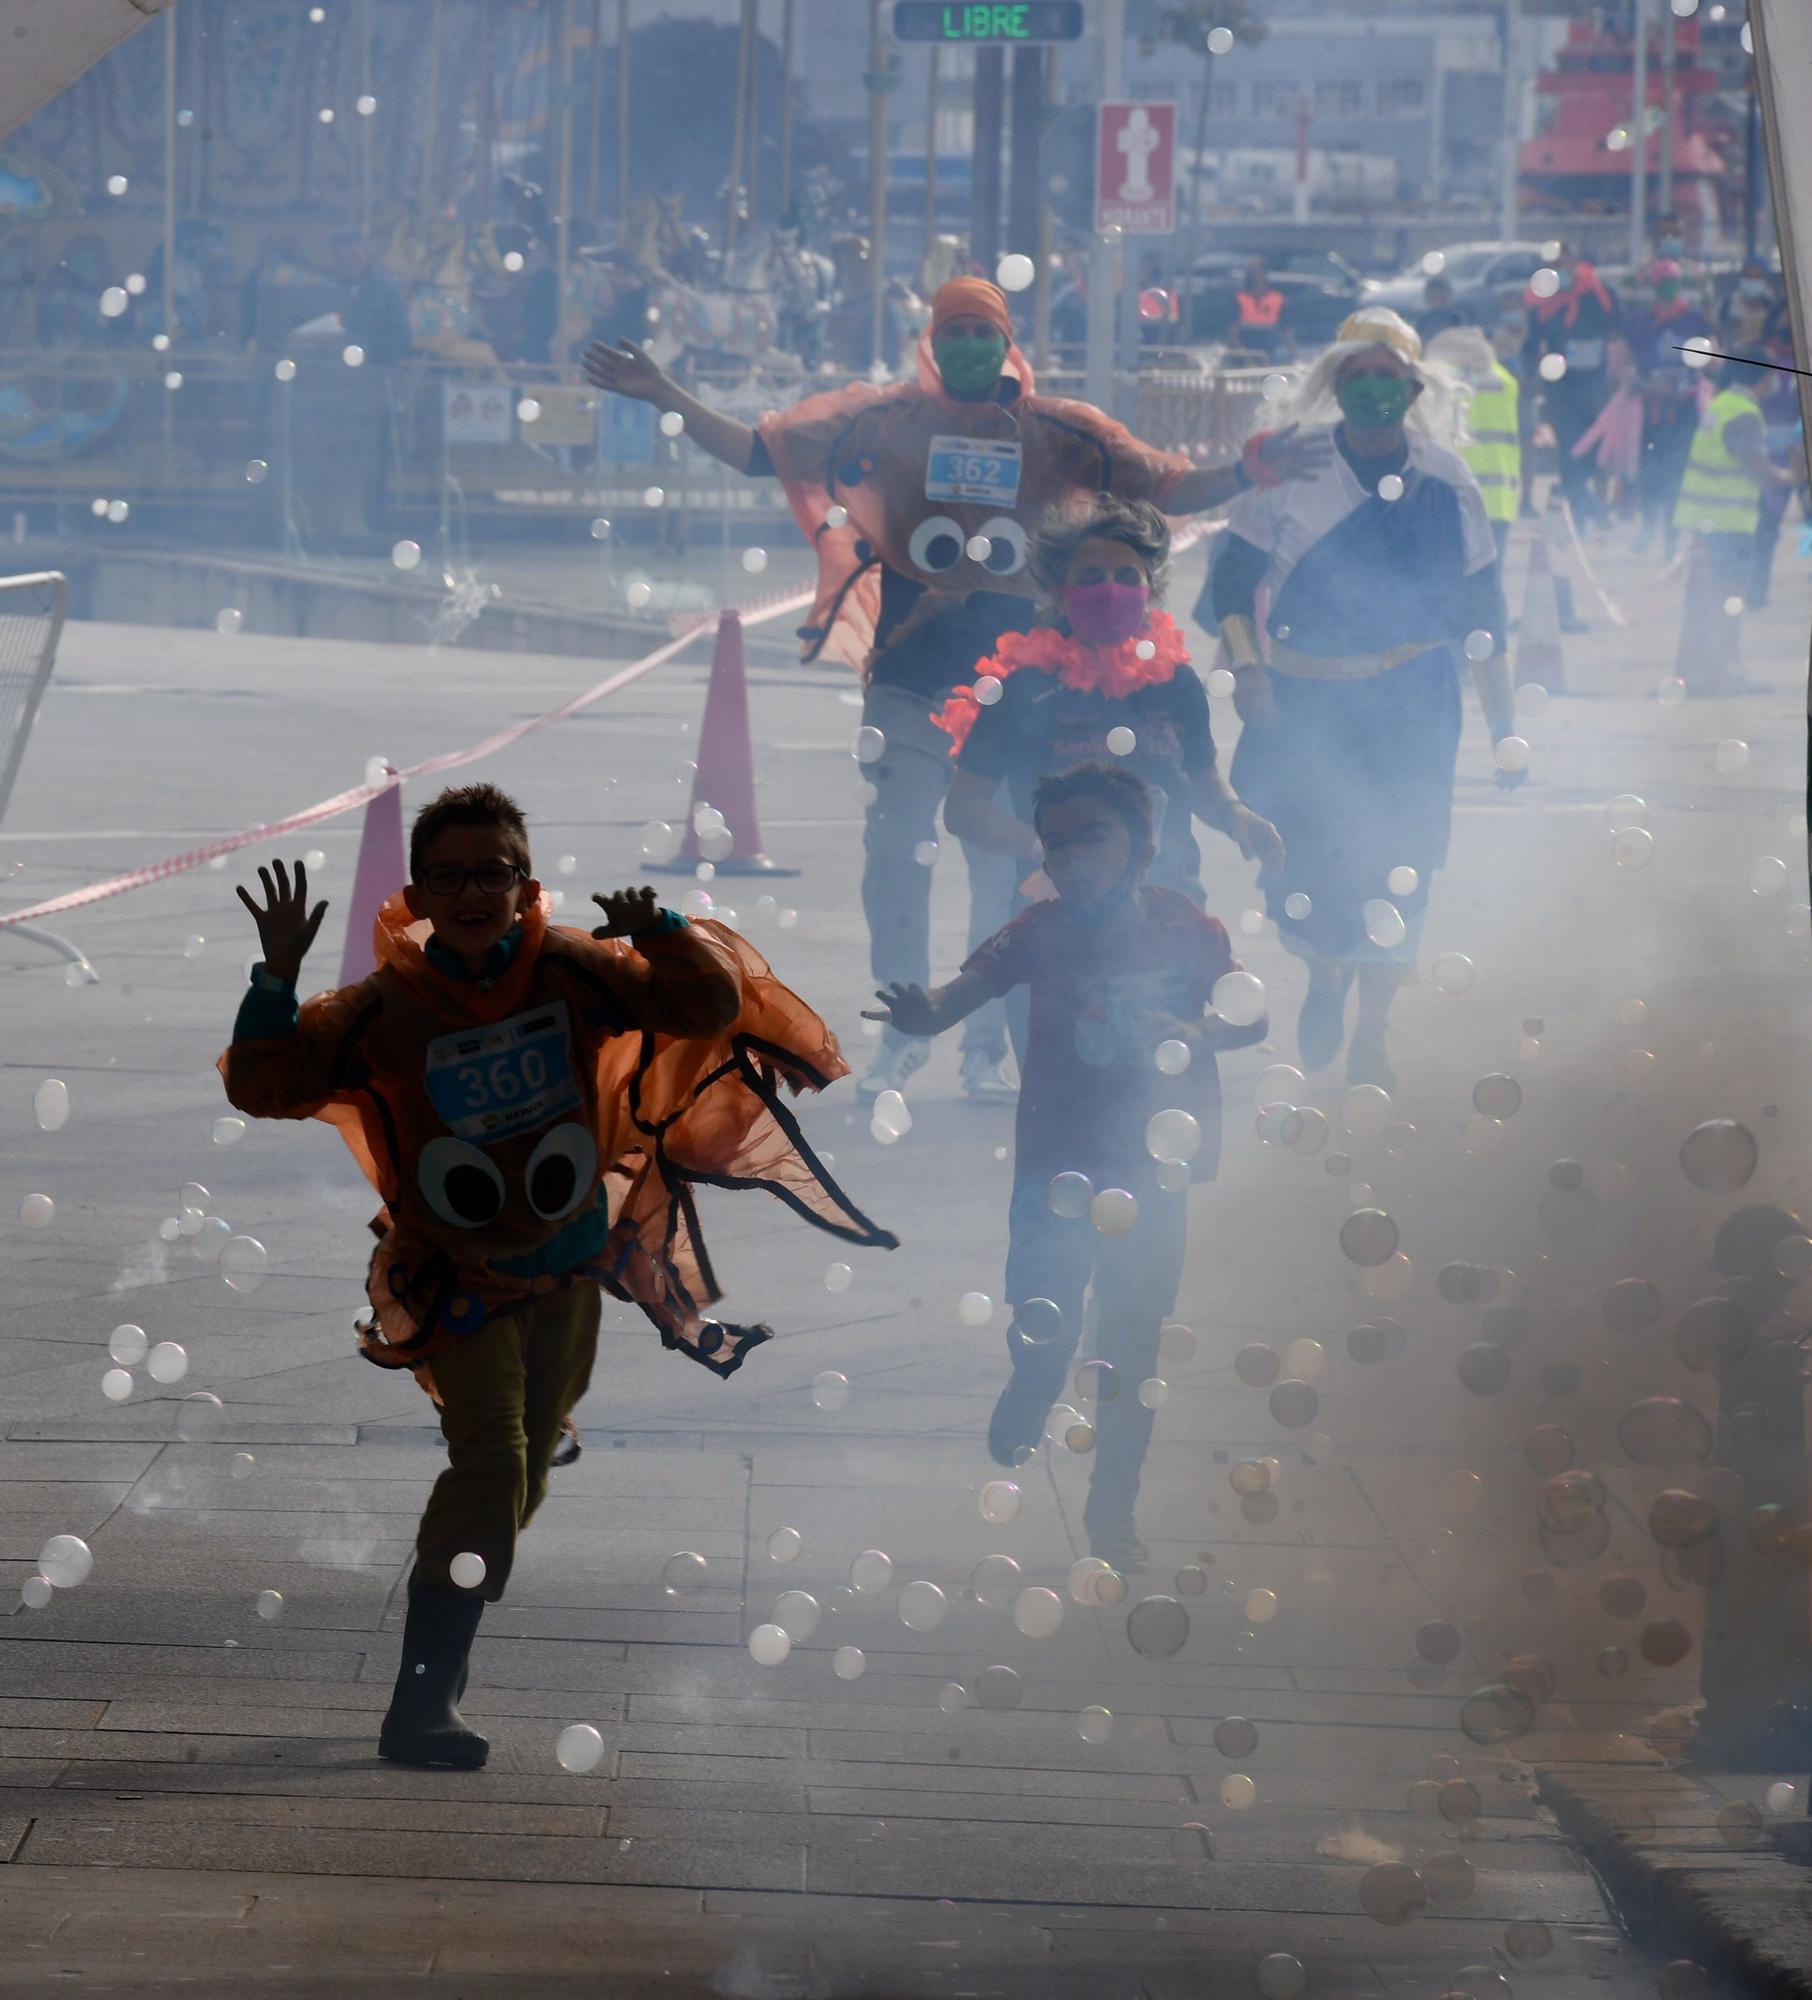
x=1006, y=541
x=461, y=1185
x=562, y=1171
x=936, y=545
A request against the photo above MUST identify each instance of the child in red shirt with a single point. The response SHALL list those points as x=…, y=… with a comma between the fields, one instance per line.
x=1114, y=969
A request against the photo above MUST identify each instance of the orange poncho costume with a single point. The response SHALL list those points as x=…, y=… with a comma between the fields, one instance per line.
x=551, y=1126
x=874, y=478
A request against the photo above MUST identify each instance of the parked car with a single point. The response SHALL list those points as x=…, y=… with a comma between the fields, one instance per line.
x=1319, y=290
x=1483, y=276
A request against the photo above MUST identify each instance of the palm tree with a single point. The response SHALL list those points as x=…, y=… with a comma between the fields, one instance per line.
x=1189, y=24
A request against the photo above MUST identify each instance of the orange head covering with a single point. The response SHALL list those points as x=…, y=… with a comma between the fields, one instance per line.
x=971, y=298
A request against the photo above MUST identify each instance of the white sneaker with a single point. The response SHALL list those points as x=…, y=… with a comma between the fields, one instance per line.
x=985, y=1078
x=895, y=1060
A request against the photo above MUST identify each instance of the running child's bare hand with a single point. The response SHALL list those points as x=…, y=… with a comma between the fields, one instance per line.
x=286, y=927
x=627, y=913
x=907, y=1008
x=1292, y=453
x=1257, y=839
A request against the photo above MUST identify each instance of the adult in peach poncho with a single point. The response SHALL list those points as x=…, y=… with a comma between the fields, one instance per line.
x=919, y=499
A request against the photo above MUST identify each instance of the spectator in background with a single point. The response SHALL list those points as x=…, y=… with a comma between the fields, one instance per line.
x=1670, y=395
x=1493, y=451
x=1565, y=364
x=1439, y=314
x=1754, y=313
x=1258, y=322
x=374, y=309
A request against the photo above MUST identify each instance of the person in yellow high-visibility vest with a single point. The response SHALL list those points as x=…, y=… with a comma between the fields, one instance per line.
x=1493, y=452
x=1720, y=504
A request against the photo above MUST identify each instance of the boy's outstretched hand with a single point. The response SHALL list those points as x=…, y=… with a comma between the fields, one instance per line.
x=286, y=928
x=627, y=913
x=907, y=1008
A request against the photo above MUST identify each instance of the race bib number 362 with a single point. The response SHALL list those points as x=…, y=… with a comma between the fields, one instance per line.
x=982, y=471
x=511, y=1076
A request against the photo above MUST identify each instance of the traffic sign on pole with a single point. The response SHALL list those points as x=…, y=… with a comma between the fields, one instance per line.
x=1136, y=168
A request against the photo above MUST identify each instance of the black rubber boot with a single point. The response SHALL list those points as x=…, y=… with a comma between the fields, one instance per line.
x=424, y=1725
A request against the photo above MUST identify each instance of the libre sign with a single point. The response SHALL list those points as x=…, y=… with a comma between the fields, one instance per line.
x=974, y=21
x=1136, y=168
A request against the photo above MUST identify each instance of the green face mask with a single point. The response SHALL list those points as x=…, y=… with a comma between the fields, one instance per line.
x=970, y=364
x=1375, y=402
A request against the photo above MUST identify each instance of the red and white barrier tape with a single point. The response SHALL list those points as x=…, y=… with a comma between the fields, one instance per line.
x=348, y=801
x=1612, y=609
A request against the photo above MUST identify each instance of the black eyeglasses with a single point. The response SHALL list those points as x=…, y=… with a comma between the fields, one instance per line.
x=494, y=878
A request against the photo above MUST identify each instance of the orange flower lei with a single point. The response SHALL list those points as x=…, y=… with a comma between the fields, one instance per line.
x=1115, y=671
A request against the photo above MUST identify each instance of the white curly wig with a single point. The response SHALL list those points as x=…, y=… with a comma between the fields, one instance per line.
x=1439, y=413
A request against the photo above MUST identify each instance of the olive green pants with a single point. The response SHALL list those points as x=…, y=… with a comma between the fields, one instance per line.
x=503, y=1391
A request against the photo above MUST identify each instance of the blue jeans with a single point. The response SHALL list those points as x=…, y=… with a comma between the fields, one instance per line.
x=910, y=779
x=1135, y=1279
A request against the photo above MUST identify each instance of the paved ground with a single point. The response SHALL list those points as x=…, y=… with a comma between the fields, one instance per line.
x=188, y=1795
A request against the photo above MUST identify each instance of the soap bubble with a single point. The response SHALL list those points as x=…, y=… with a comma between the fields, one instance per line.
x=1256, y=1365
x=128, y=1345
x=1294, y=1404
x=1719, y=1155
x=1624, y=811
x=1172, y=1057
x=654, y=496
x=406, y=555
x=1069, y=1196
x=1767, y=875
x=1365, y=1111
x=672, y=423
x=1480, y=645
x=975, y=1309
x=1238, y=1793
x=467, y=1569
x=1297, y=906
x=1390, y=487
x=754, y=561
x=639, y=594
x=871, y=1571
x=199, y=1417
x=830, y=1390
x=1497, y=1714
x=116, y=1384
x=1671, y=692
x=784, y=1545
x=1781, y=1798
x=579, y=1748
x=923, y=1606
x=659, y=842
x=1239, y=999
x=1234, y=1736
x=1121, y=741
x=35, y=1592
x=66, y=1560
x=210, y=1239
x=1037, y=1612
x=1173, y=1135
x=1015, y=271
x=1154, y=1392
x=988, y=689
x=167, y=1362
x=1391, y=1893
x=1220, y=40
x=1369, y=1236
x=1384, y=923
x=890, y=1109
x=953, y=1697
x=1261, y=1606
x=998, y=1688
x=797, y=1613
x=1497, y=1096
x=1000, y=1501
x=269, y=1605
x=870, y=744
x=995, y=1581
x=769, y=1645
x=1532, y=1939
x=528, y=410
x=1553, y=366
x=1633, y=848
x=1157, y=1627
x=113, y=301
x=849, y=1663
x=683, y=1572
x=838, y=1277
x=1731, y=755
x=1114, y=1211
x=243, y=1262
x=1280, y=1976
x=1220, y=683
x=1096, y=1725
x=1454, y=972
x=366, y=105
x=50, y=1104
x=36, y=1211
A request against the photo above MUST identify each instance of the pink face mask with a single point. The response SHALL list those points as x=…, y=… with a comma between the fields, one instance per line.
x=1106, y=614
